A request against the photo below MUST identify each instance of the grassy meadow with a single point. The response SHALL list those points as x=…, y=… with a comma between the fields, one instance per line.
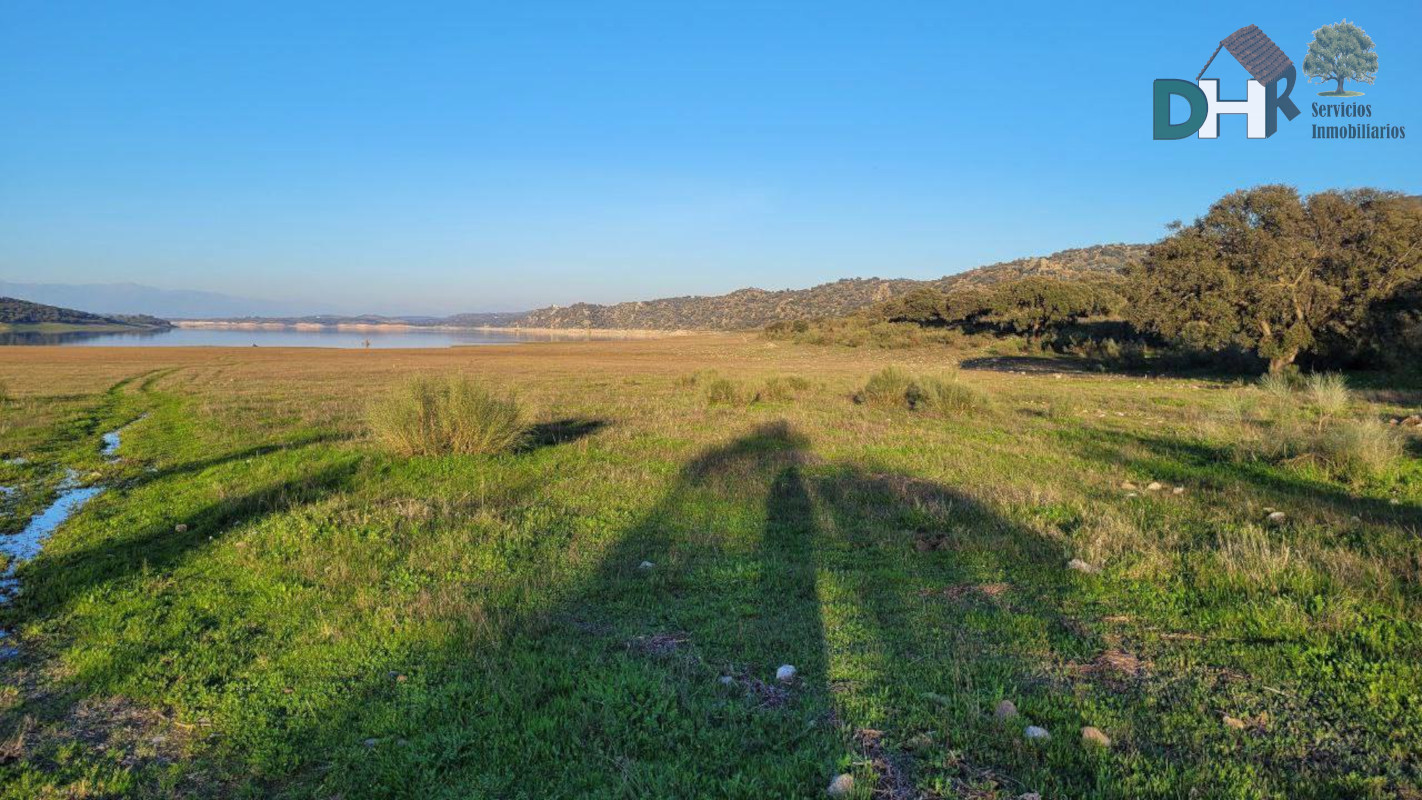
x=269, y=601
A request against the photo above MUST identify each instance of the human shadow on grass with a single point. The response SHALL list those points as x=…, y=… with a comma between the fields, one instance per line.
x=656, y=675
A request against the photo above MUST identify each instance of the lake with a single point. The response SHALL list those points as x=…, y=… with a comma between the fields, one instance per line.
x=331, y=337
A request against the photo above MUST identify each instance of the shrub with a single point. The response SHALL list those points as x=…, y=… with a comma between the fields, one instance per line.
x=947, y=397
x=721, y=391
x=1357, y=450
x=779, y=387
x=887, y=387
x=1328, y=393
x=1280, y=385
x=438, y=416
x=932, y=395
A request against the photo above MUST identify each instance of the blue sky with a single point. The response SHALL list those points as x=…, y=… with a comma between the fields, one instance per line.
x=439, y=157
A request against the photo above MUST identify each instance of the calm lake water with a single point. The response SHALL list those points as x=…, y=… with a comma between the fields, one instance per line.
x=208, y=337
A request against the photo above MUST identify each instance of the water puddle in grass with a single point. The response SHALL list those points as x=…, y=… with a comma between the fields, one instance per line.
x=21, y=547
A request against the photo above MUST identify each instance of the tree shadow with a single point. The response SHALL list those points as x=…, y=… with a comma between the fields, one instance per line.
x=54, y=579
x=1181, y=461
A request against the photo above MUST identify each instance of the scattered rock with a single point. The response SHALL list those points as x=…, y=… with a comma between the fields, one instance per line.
x=1154, y=486
x=1036, y=734
x=727, y=680
x=371, y=742
x=1178, y=490
x=1029, y=796
x=1005, y=710
x=181, y=527
x=1128, y=486
x=1130, y=495
x=1081, y=566
x=645, y=565
x=1091, y=735
x=1394, y=502
x=785, y=673
x=1414, y=421
x=1278, y=518
x=841, y=786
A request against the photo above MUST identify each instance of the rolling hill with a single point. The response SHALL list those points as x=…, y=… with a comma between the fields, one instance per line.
x=23, y=315
x=755, y=308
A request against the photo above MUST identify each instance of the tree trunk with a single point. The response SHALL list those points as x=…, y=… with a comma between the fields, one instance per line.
x=1282, y=361
x=1340, y=86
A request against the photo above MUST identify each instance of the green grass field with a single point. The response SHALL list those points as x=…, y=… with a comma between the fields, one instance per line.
x=265, y=603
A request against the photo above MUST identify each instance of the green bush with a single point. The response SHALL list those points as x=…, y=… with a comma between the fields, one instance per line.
x=1328, y=393
x=1358, y=450
x=948, y=397
x=723, y=392
x=438, y=416
x=930, y=395
x=887, y=387
x=778, y=387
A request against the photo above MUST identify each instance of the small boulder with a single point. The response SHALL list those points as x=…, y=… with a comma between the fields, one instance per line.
x=842, y=786
x=1029, y=796
x=1036, y=734
x=645, y=565
x=1005, y=710
x=1278, y=518
x=1081, y=566
x=785, y=673
x=1128, y=486
x=1155, y=486
x=181, y=527
x=1094, y=736
x=1178, y=490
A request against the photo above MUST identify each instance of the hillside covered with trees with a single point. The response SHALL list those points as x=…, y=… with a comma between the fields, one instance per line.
x=22, y=314
x=755, y=308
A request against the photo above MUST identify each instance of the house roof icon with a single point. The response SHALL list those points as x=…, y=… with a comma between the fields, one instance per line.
x=1254, y=51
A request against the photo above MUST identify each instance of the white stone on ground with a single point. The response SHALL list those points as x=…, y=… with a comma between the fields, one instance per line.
x=785, y=673
x=1034, y=732
x=841, y=786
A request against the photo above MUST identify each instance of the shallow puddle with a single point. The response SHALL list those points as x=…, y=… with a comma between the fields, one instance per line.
x=25, y=545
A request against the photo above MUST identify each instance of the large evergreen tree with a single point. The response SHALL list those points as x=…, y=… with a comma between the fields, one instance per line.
x=1272, y=272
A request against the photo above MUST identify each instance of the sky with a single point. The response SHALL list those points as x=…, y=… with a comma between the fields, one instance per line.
x=469, y=156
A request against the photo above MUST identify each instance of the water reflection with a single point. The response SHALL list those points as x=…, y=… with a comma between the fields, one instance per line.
x=327, y=337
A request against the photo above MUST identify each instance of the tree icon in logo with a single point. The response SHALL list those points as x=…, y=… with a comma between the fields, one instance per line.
x=1340, y=52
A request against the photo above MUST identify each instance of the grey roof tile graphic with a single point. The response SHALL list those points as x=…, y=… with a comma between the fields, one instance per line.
x=1254, y=51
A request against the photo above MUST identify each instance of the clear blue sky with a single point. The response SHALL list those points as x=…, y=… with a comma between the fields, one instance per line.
x=436, y=157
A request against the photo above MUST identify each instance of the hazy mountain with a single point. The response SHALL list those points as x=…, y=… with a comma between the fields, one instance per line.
x=132, y=298
x=755, y=308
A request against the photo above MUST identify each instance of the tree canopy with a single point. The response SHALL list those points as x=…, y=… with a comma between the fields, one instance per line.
x=1278, y=274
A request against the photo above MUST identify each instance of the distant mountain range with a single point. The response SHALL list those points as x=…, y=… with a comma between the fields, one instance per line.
x=740, y=310
x=132, y=298
x=22, y=315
